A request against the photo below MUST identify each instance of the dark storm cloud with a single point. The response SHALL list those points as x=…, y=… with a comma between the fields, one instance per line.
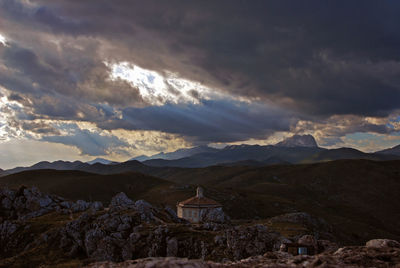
x=212, y=121
x=39, y=128
x=318, y=58
x=314, y=56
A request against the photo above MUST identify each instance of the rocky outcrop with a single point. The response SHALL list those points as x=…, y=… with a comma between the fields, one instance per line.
x=125, y=230
x=27, y=203
x=299, y=141
x=34, y=223
x=216, y=215
x=142, y=231
x=245, y=241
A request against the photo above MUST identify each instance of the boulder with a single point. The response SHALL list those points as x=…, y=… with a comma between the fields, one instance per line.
x=96, y=206
x=381, y=243
x=216, y=215
x=80, y=205
x=308, y=240
x=121, y=200
x=145, y=210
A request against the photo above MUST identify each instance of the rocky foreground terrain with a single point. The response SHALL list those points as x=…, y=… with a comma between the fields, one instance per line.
x=38, y=229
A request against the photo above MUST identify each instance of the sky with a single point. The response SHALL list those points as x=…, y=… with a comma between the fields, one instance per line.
x=118, y=79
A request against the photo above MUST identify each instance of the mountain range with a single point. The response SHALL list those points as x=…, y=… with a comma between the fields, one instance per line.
x=181, y=153
x=294, y=150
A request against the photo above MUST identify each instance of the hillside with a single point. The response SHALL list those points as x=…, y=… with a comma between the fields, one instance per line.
x=393, y=151
x=88, y=186
x=359, y=197
x=347, y=153
x=98, y=168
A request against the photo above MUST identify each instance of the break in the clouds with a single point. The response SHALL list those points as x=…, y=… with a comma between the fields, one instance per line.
x=198, y=72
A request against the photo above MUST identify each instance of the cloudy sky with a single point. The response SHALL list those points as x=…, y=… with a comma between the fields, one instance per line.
x=117, y=79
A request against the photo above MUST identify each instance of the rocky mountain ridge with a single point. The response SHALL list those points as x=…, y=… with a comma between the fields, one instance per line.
x=298, y=141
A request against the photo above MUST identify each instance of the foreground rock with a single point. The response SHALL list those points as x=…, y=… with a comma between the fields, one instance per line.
x=33, y=223
x=37, y=229
x=344, y=257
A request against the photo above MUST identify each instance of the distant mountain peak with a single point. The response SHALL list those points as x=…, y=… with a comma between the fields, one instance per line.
x=180, y=153
x=298, y=141
x=99, y=160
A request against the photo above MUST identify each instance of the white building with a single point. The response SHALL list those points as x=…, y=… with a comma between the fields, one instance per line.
x=193, y=208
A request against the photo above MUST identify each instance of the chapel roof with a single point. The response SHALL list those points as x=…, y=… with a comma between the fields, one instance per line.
x=199, y=201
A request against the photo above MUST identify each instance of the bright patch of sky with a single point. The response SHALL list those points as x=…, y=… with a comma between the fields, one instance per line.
x=7, y=111
x=3, y=40
x=158, y=89
x=25, y=152
x=371, y=142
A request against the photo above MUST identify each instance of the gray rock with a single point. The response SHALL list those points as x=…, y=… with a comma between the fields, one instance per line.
x=145, y=210
x=121, y=200
x=80, y=205
x=92, y=238
x=216, y=215
x=96, y=206
x=66, y=204
x=35, y=199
